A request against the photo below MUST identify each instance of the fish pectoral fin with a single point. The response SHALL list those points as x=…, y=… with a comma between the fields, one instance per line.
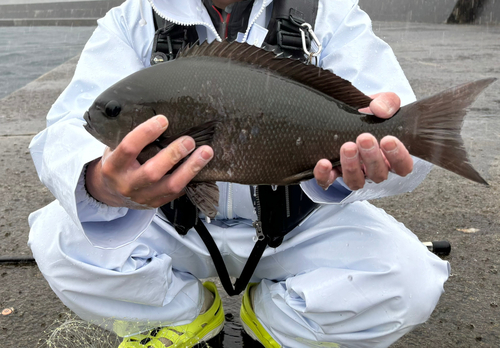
x=148, y=152
x=202, y=134
x=205, y=196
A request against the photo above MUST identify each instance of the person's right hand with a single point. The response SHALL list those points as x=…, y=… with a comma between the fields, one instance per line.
x=119, y=180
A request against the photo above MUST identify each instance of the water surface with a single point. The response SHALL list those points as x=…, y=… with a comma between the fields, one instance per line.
x=26, y=53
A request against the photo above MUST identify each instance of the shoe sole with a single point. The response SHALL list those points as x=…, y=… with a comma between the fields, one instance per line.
x=249, y=331
x=212, y=333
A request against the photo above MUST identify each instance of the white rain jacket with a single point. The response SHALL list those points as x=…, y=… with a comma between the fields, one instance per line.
x=122, y=44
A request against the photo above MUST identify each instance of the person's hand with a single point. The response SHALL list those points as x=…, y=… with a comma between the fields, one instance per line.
x=367, y=159
x=119, y=180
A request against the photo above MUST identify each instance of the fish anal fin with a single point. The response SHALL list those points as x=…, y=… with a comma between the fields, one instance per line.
x=205, y=196
x=303, y=176
x=296, y=178
x=312, y=76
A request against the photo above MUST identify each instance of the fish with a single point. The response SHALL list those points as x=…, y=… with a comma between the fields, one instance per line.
x=269, y=119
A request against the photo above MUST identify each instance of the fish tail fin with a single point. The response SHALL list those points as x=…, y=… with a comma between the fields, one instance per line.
x=435, y=125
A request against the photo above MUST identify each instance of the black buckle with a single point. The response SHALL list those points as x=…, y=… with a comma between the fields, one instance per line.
x=289, y=37
x=168, y=41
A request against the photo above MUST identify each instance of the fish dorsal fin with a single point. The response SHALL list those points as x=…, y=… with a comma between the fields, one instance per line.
x=310, y=75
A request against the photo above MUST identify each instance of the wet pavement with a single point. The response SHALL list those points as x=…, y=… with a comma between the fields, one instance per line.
x=444, y=207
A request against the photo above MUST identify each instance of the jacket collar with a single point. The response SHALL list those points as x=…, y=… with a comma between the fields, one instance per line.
x=193, y=12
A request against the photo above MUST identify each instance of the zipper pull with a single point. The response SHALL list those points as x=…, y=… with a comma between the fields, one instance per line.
x=258, y=229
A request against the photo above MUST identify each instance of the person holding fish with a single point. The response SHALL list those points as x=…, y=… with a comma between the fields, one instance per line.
x=125, y=139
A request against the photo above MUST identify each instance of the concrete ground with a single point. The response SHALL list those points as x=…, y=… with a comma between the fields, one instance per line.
x=444, y=207
x=75, y=13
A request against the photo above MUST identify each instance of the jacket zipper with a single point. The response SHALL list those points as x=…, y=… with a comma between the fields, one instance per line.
x=262, y=8
x=254, y=20
x=258, y=223
x=224, y=21
x=229, y=213
x=186, y=24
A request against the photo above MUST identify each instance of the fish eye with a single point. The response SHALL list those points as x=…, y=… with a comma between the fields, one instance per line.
x=113, y=108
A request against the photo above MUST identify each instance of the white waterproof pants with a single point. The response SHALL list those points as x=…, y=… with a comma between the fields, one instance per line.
x=349, y=274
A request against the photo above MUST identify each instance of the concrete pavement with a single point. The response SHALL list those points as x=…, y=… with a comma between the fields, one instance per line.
x=54, y=13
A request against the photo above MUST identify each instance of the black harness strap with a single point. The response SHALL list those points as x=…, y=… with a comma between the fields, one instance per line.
x=250, y=265
x=184, y=216
x=279, y=211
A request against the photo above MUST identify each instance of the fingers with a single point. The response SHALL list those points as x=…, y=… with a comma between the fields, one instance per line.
x=366, y=160
x=324, y=173
x=175, y=182
x=352, y=170
x=133, y=143
x=383, y=105
x=171, y=186
x=121, y=180
x=155, y=168
x=359, y=161
x=154, y=188
x=376, y=168
x=397, y=155
x=153, y=192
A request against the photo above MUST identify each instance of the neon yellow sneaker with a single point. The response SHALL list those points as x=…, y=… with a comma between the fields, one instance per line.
x=203, y=328
x=251, y=324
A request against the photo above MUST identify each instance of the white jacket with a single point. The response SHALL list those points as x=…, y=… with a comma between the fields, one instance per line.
x=122, y=44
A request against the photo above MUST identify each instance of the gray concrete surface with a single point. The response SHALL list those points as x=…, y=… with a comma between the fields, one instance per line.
x=426, y=11
x=54, y=13
x=445, y=206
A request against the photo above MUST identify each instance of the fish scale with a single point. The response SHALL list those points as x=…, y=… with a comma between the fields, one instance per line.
x=250, y=135
x=270, y=119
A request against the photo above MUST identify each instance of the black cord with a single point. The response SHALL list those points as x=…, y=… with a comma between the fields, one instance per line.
x=17, y=260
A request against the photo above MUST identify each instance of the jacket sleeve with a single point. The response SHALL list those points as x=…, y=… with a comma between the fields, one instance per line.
x=62, y=150
x=354, y=52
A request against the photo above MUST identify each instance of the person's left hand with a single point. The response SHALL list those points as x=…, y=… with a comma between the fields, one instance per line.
x=367, y=159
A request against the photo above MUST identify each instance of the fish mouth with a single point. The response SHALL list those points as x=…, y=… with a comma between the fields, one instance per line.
x=94, y=132
x=86, y=117
x=88, y=126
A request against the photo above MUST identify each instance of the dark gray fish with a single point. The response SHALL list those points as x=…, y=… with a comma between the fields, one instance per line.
x=270, y=119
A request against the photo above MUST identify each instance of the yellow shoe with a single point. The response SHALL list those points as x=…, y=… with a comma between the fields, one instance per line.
x=203, y=328
x=251, y=324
